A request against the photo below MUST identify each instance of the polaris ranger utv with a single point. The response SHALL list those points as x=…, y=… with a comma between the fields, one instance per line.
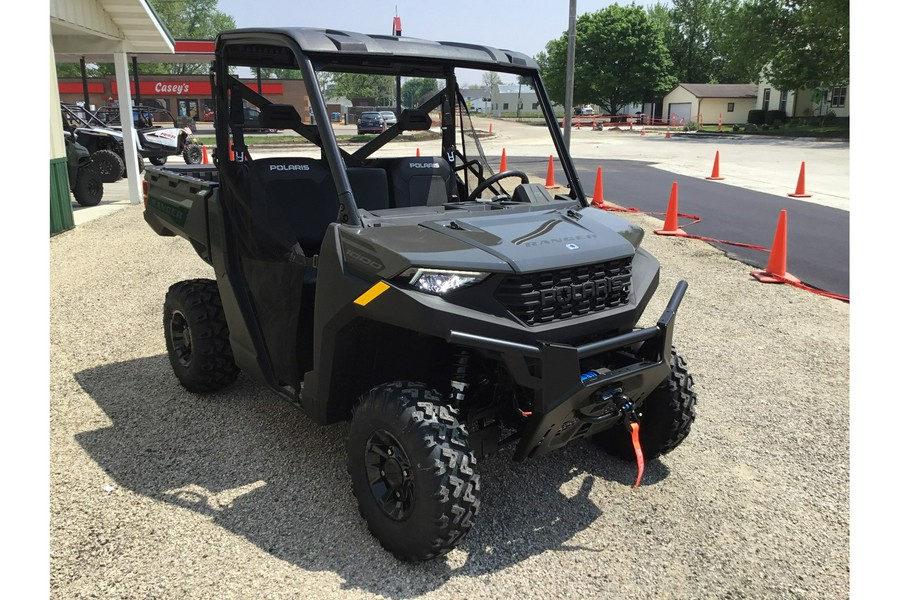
x=445, y=309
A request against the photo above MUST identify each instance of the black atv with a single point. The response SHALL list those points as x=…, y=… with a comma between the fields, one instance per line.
x=445, y=309
x=84, y=176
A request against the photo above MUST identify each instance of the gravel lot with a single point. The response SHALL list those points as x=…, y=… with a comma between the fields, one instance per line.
x=158, y=493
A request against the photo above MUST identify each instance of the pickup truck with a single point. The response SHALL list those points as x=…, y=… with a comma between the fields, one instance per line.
x=444, y=310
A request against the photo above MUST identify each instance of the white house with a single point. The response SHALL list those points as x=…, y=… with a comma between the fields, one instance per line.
x=704, y=102
x=804, y=103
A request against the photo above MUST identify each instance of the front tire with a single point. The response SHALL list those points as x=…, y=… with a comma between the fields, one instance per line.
x=110, y=165
x=89, y=186
x=193, y=154
x=668, y=413
x=412, y=470
x=158, y=160
x=197, y=336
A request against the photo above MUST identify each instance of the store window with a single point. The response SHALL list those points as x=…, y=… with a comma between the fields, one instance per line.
x=839, y=96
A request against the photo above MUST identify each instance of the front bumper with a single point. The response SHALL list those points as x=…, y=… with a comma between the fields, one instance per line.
x=574, y=399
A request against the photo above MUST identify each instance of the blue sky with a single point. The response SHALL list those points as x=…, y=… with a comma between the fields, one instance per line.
x=522, y=25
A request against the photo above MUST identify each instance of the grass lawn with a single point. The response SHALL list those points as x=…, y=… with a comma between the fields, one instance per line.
x=822, y=131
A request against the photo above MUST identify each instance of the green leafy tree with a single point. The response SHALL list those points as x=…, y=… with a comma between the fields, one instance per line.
x=280, y=74
x=811, y=47
x=415, y=89
x=620, y=57
x=379, y=88
x=690, y=47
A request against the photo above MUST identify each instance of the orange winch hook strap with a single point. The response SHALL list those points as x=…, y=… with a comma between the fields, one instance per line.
x=638, y=453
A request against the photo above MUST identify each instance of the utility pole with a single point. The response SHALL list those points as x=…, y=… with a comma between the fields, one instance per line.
x=570, y=76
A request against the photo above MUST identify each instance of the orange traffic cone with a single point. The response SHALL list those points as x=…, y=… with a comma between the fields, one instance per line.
x=671, y=225
x=776, y=270
x=598, y=188
x=503, y=161
x=667, y=135
x=550, y=183
x=490, y=128
x=418, y=153
x=801, y=184
x=715, y=171
x=205, y=155
x=230, y=152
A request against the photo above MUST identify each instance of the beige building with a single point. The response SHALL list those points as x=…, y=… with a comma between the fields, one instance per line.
x=705, y=102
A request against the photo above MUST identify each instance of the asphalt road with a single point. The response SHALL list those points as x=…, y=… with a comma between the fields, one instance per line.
x=818, y=239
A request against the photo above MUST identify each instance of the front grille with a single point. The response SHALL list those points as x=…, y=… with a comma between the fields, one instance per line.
x=548, y=296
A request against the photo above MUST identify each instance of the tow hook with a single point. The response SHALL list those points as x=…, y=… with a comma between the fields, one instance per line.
x=633, y=426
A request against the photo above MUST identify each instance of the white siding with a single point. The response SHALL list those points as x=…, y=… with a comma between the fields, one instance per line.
x=679, y=96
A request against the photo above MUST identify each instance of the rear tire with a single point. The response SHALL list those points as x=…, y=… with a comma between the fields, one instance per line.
x=89, y=186
x=197, y=336
x=158, y=160
x=140, y=162
x=668, y=413
x=110, y=165
x=412, y=470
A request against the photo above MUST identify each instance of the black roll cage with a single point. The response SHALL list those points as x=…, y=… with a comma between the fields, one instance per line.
x=275, y=49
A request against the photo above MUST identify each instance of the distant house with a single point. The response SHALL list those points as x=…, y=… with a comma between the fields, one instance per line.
x=476, y=98
x=804, y=103
x=704, y=102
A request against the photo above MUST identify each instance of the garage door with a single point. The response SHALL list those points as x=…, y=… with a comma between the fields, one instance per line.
x=680, y=113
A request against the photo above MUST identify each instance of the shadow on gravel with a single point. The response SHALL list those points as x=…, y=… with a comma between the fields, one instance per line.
x=259, y=468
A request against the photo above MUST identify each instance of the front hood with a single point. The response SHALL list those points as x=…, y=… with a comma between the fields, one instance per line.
x=542, y=240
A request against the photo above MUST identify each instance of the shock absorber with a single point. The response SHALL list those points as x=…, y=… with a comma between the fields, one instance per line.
x=459, y=380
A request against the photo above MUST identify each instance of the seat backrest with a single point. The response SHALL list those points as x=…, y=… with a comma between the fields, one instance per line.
x=422, y=181
x=370, y=187
x=298, y=193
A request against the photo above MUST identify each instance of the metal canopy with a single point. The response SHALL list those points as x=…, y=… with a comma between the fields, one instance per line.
x=101, y=27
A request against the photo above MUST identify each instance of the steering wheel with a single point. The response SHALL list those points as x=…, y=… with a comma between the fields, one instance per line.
x=494, y=179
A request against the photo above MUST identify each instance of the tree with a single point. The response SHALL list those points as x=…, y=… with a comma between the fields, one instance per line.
x=280, y=73
x=621, y=56
x=189, y=20
x=811, y=47
x=490, y=79
x=379, y=88
x=690, y=49
x=415, y=88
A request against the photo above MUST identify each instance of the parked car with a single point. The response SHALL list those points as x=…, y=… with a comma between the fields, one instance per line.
x=389, y=118
x=587, y=111
x=370, y=122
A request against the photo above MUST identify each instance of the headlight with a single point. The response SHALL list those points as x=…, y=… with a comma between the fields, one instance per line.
x=439, y=281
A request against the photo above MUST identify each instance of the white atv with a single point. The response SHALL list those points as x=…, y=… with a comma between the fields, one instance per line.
x=101, y=134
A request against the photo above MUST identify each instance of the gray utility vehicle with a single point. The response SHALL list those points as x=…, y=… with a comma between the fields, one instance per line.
x=414, y=296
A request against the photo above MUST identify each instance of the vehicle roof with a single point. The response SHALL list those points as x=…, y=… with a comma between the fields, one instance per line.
x=339, y=45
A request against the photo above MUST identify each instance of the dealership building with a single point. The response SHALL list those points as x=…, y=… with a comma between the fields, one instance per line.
x=181, y=95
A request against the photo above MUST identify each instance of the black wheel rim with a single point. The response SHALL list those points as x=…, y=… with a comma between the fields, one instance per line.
x=390, y=476
x=195, y=155
x=181, y=338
